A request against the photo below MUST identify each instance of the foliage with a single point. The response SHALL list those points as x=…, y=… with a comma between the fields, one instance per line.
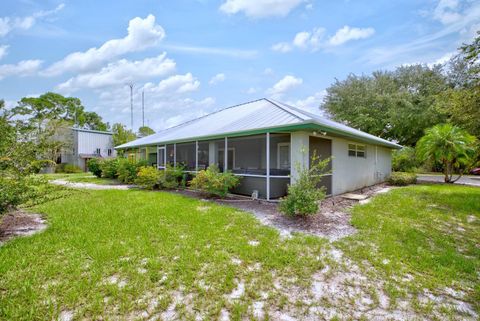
x=37, y=165
x=171, y=177
x=70, y=168
x=304, y=194
x=396, y=105
x=450, y=146
x=145, y=131
x=471, y=54
x=121, y=134
x=214, y=183
x=53, y=106
x=110, y=167
x=404, y=160
x=94, y=166
x=147, y=177
x=127, y=171
x=402, y=178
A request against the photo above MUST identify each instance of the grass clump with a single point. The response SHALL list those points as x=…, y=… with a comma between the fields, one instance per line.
x=402, y=179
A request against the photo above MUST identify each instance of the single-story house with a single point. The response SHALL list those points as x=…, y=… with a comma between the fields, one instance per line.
x=264, y=142
x=87, y=144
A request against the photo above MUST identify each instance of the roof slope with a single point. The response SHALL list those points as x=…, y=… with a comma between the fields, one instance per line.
x=256, y=115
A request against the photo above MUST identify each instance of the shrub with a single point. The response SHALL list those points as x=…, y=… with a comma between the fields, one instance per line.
x=404, y=160
x=109, y=167
x=147, y=177
x=12, y=192
x=60, y=168
x=37, y=165
x=214, y=183
x=402, y=179
x=172, y=177
x=127, y=171
x=303, y=195
x=94, y=166
x=70, y=168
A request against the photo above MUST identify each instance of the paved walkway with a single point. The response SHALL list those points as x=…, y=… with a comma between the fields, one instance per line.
x=464, y=180
x=89, y=185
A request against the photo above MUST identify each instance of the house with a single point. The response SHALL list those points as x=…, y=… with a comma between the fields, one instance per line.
x=264, y=142
x=87, y=144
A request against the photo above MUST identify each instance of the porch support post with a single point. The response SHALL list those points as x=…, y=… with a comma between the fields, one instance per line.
x=158, y=158
x=175, y=155
x=268, y=165
x=196, y=156
x=225, y=157
x=165, y=156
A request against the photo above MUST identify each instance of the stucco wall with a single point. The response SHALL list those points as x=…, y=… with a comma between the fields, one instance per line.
x=350, y=173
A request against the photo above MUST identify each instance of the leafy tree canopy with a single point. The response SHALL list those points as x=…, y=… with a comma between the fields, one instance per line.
x=121, y=134
x=145, y=131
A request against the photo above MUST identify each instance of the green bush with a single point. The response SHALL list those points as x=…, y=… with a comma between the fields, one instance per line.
x=12, y=193
x=94, y=166
x=402, y=179
x=60, y=168
x=214, y=183
x=70, y=168
x=127, y=171
x=109, y=167
x=172, y=177
x=303, y=195
x=404, y=160
x=147, y=177
x=37, y=165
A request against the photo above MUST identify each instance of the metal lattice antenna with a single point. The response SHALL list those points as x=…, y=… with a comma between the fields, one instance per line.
x=131, y=104
x=143, y=109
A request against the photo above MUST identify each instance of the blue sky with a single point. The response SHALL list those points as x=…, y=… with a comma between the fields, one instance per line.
x=194, y=57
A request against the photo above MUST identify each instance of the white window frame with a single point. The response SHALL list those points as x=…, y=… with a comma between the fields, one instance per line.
x=164, y=157
x=279, y=145
x=356, y=150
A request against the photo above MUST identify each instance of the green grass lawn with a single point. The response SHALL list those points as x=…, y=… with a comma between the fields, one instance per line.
x=429, y=233
x=119, y=254
x=82, y=178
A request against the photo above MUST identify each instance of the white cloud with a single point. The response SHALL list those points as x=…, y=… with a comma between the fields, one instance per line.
x=251, y=90
x=283, y=85
x=446, y=11
x=260, y=8
x=142, y=34
x=228, y=52
x=120, y=72
x=3, y=51
x=217, y=78
x=442, y=60
x=268, y=71
x=176, y=84
x=22, y=68
x=311, y=103
x=282, y=47
x=9, y=24
x=314, y=40
x=347, y=33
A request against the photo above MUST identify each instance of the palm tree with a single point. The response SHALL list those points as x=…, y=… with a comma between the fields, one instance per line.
x=448, y=145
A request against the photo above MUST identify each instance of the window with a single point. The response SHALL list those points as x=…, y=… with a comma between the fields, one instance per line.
x=161, y=157
x=109, y=152
x=356, y=150
x=283, y=155
x=97, y=151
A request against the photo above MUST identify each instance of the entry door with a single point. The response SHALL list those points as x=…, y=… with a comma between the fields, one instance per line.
x=161, y=157
x=323, y=149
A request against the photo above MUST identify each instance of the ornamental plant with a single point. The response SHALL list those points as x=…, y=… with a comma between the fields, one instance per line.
x=213, y=183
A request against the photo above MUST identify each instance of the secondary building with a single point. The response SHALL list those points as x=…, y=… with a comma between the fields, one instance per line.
x=87, y=144
x=265, y=142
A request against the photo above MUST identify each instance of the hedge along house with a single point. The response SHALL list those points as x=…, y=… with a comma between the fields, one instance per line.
x=262, y=141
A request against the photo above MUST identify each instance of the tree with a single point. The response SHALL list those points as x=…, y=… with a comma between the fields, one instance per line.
x=449, y=145
x=397, y=105
x=121, y=134
x=52, y=106
x=145, y=131
x=471, y=54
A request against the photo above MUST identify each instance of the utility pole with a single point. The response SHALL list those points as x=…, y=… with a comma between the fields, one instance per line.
x=131, y=104
x=143, y=109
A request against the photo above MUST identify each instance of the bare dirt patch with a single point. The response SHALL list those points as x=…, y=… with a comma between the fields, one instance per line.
x=18, y=223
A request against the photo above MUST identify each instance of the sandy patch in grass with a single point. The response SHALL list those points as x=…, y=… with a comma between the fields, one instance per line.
x=19, y=223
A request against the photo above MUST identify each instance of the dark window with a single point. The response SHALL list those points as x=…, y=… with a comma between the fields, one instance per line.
x=109, y=152
x=356, y=150
x=97, y=151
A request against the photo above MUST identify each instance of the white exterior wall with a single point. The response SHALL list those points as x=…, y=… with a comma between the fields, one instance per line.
x=351, y=173
x=348, y=173
x=88, y=142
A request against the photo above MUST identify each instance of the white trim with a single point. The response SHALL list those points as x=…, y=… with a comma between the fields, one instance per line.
x=164, y=156
x=175, y=155
x=225, y=156
x=196, y=156
x=278, y=154
x=261, y=176
x=268, y=164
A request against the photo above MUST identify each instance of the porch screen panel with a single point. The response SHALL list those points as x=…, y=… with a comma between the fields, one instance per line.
x=280, y=162
x=249, y=155
x=170, y=155
x=203, y=155
x=186, y=156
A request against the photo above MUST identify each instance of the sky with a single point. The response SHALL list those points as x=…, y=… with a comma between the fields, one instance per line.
x=194, y=57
